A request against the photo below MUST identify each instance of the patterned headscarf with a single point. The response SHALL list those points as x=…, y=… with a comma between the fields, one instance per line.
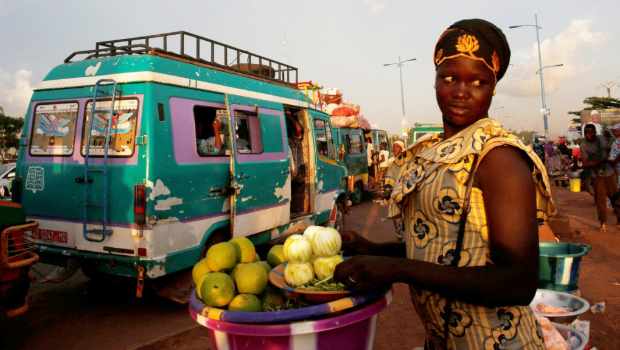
x=616, y=127
x=478, y=40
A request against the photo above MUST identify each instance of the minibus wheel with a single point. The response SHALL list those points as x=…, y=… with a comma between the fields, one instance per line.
x=216, y=237
x=358, y=193
x=339, y=220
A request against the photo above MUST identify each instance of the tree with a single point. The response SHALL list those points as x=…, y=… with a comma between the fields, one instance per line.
x=10, y=130
x=595, y=103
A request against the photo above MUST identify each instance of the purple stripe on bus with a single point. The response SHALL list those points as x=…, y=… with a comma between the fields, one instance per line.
x=76, y=157
x=252, y=210
x=184, y=134
x=265, y=156
x=203, y=217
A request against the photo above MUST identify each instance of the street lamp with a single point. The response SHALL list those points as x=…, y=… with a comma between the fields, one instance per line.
x=542, y=81
x=402, y=95
x=555, y=65
x=496, y=108
x=521, y=122
x=509, y=116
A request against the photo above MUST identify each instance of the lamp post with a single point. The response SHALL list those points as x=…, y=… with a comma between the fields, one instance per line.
x=542, y=81
x=555, y=65
x=402, y=95
x=496, y=108
x=521, y=122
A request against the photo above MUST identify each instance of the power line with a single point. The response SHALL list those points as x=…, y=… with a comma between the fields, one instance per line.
x=608, y=85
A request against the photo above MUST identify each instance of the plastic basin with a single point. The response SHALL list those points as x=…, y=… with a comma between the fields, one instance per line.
x=567, y=332
x=560, y=264
x=346, y=330
x=560, y=299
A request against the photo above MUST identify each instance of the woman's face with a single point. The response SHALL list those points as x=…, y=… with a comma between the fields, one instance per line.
x=616, y=132
x=396, y=149
x=464, y=91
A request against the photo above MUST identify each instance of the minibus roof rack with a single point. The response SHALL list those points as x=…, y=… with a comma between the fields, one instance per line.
x=194, y=48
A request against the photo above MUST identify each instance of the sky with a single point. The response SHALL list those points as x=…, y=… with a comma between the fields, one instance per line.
x=342, y=44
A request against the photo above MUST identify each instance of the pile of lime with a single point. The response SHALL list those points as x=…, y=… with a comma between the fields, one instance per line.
x=232, y=276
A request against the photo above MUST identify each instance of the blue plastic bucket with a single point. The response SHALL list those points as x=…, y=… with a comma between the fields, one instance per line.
x=560, y=264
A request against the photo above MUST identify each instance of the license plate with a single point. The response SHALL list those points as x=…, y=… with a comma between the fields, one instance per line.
x=50, y=235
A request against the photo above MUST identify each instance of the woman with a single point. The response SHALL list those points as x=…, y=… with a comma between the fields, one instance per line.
x=399, y=220
x=482, y=303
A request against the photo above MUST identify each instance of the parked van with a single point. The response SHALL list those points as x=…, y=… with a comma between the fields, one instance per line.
x=137, y=158
x=355, y=160
x=420, y=130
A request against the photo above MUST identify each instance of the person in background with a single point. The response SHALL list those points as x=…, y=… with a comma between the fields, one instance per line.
x=388, y=184
x=576, y=154
x=539, y=148
x=383, y=162
x=471, y=292
x=597, y=163
x=614, y=154
x=210, y=146
x=550, y=162
x=370, y=151
x=565, y=154
x=295, y=134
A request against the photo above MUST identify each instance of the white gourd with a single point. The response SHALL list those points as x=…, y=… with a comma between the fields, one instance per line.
x=297, y=248
x=297, y=274
x=309, y=232
x=324, y=267
x=326, y=242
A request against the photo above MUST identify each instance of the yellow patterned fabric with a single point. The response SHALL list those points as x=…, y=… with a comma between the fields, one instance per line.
x=431, y=179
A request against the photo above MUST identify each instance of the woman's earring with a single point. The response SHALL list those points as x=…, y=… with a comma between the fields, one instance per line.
x=434, y=87
x=494, y=93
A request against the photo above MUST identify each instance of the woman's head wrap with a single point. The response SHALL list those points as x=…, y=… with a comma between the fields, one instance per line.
x=478, y=40
x=616, y=127
x=401, y=144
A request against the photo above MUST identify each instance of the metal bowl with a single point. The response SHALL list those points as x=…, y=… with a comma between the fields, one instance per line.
x=559, y=299
x=566, y=332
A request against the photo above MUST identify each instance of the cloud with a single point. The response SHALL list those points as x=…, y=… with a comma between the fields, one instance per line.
x=375, y=6
x=15, y=92
x=569, y=48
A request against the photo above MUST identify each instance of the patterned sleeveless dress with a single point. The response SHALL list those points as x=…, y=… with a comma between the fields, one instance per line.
x=432, y=175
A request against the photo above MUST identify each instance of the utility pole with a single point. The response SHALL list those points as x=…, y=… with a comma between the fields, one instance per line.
x=608, y=85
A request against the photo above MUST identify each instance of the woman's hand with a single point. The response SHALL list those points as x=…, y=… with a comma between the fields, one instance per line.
x=365, y=272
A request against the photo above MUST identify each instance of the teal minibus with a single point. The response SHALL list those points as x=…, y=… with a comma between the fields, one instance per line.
x=138, y=155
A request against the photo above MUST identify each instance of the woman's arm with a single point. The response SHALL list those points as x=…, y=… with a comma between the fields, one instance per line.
x=505, y=177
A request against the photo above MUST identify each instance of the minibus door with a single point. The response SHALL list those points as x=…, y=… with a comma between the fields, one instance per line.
x=260, y=169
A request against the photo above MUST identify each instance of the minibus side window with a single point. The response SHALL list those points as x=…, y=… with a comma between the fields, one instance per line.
x=324, y=140
x=355, y=143
x=122, y=131
x=53, y=129
x=248, y=136
x=209, y=122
